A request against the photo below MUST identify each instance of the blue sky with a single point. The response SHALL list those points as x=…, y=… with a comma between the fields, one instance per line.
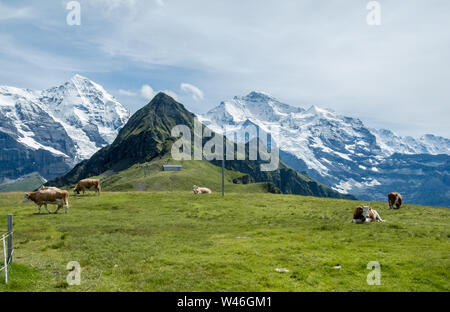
x=302, y=52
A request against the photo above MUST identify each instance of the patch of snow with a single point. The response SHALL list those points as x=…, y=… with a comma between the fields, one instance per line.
x=89, y=115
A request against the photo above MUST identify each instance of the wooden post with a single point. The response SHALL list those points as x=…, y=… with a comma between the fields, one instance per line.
x=10, y=238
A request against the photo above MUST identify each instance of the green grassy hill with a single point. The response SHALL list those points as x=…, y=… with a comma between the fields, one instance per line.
x=175, y=241
x=147, y=137
x=27, y=183
x=150, y=177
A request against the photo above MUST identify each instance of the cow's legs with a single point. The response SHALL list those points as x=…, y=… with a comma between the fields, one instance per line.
x=377, y=216
x=46, y=208
x=396, y=202
x=39, y=209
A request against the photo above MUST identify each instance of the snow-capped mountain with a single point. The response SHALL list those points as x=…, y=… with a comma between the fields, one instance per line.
x=427, y=144
x=339, y=151
x=50, y=131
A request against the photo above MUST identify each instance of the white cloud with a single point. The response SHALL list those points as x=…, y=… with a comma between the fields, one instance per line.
x=7, y=12
x=147, y=92
x=192, y=90
x=160, y=3
x=304, y=52
x=126, y=92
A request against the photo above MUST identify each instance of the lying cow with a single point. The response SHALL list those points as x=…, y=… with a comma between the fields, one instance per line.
x=49, y=196
x=87, y=184
x=395, y=200
x=366, y=214
x=201, y=190
x=45, y=188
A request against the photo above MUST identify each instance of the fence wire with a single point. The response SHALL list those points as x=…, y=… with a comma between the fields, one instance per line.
x=4, y=247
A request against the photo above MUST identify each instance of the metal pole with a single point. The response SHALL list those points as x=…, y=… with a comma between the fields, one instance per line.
x=223, y=170
x=10, y=238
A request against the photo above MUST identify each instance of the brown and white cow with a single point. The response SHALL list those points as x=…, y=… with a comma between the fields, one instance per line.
x=366, y=214
x=49, y=196
x=201, y=190
x=45, y=188
x=87, y=184
x=395, y=200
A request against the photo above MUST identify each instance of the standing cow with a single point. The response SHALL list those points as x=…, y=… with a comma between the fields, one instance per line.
x=49, y=196
x=87, y=184
x=395, y=200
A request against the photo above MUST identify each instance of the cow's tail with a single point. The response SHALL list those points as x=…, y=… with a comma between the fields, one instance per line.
x=99, y=188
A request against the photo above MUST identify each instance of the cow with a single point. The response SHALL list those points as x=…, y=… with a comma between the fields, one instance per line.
x=87, y=184
x=395, y=200
x=201, y=190
x=366, y=214
x=45, y=188
x=49, y=196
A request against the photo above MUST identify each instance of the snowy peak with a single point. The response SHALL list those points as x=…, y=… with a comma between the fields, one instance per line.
x=90, y=115
x=392, y=143
x=338, y=151
x=254, y=106
x=255, y=96
x=74, y=119
x=321, y=112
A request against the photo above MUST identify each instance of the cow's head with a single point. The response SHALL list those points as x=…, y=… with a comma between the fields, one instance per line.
x=26, y=198
x=195, y=188
x=366, y=211
x=358, y=213
x=76, y=191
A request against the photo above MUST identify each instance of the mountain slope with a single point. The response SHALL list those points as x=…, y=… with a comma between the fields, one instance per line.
x=147, y=136
x=149, y=177
x=56, y=127
x=26, y=183
x=339, y=151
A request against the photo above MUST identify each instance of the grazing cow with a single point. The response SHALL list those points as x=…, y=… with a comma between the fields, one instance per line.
x=201, y=190
x=87, y=184
x=395, y=200
x=366, y=214
x=49, y=196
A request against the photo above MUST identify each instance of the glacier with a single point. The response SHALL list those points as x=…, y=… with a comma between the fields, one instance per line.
x=64, y=124
x=340, y=151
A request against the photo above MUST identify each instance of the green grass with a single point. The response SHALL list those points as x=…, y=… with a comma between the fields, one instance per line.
x=201, y=173
x=175, y=241
x=25, y=184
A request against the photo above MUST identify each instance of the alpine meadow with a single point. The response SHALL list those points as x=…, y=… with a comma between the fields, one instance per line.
x=225, y=155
